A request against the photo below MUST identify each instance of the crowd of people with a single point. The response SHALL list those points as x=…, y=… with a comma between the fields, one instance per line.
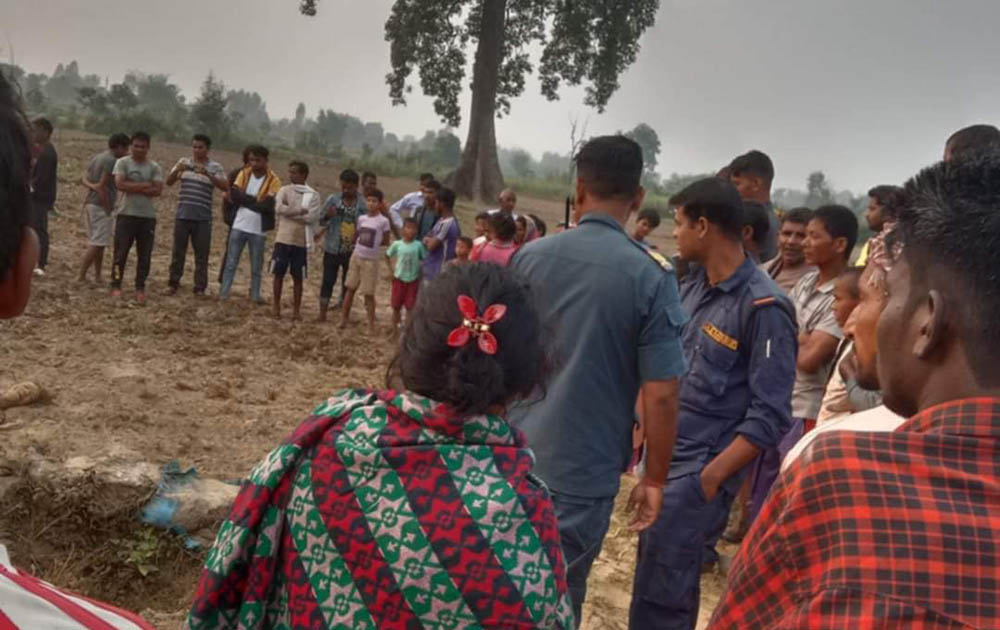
x=354, y=225
x=847, y=406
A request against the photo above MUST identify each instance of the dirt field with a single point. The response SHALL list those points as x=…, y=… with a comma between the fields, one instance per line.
x=213, y=385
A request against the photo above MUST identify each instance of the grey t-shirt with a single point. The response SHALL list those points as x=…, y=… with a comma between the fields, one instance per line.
x=814, y=311
x=99, y=165
x=195, y=198
x=135, y=205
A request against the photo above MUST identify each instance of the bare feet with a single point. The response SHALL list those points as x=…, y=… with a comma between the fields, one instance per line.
x=343, y=324
x=140, y=297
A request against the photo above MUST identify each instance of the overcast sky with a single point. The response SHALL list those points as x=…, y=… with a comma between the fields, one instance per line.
x=866, y=90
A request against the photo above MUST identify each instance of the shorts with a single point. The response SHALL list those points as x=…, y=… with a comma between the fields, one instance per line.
x=404, y=294
x=288, y=257
x=99, y=225
x=362, y=276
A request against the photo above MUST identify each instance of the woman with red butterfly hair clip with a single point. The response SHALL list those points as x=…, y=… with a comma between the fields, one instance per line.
x=409, y=508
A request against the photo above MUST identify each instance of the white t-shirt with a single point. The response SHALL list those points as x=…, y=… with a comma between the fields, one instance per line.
x=371, y=229
x=879, y=419
x=247, y=220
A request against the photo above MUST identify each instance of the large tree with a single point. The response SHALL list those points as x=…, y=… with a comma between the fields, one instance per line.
x=645, y=136
x=583, y=41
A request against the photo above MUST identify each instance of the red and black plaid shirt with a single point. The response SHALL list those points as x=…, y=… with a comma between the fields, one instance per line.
x=880, y=530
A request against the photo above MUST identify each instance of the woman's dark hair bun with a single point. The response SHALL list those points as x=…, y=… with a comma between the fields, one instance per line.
x=467, y=379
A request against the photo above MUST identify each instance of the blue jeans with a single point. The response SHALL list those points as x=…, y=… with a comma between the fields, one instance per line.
x=666, y=590
x=237, y=240
x=583, y=523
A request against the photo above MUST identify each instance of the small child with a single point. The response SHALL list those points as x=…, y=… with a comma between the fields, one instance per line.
x=409, y=254
x=482, y=228
x=501, y=247
x=362, y=275
x=521, y=229
x=648, y=220
x=463, y=249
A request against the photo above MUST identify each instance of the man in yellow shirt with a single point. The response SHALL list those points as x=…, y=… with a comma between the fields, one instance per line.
x=883, y=204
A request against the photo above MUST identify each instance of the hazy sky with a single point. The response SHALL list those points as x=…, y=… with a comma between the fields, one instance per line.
x=866, y=90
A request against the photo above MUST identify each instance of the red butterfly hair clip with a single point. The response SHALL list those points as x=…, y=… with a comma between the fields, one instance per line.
x=475, y=326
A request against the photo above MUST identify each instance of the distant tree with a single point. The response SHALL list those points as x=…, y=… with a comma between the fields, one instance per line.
x=646, y=138
x=581, y=40
x=521, y=163
x=248, y=111
x=300, y=115
x=818, y=192
x=447, y=149
x=678, y=182
x=208, y=114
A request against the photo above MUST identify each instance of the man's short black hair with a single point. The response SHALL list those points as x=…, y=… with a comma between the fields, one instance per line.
x=889, y=198
x=447, y=197
x=503, y=226
x=610, y=167
x=349, y=176
x=259, y=150
x=200, y=137
x=650, y=216
x=43, y=123
x=15, y=170
x=949, y=227
x=426, y=177
x=141, y=136
x=371, y=191
x=369, y=174
x=118, y=140
x=973, y=139
x=410, y=221
x=800, y=215
x=715, y=199
x=839, y=222
x=302, y=166
x=483, y=216
x=753, y=164
x=433, y=184
x=757, y=217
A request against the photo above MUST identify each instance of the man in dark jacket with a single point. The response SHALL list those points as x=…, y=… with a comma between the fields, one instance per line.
x=43, y=188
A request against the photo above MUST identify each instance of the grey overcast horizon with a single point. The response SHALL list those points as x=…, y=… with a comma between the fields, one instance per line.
x=866, y=91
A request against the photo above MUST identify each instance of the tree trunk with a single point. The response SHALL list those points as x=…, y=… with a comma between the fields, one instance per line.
x=479, y=174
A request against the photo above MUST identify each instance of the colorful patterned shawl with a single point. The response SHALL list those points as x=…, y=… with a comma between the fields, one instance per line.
x=384, y=510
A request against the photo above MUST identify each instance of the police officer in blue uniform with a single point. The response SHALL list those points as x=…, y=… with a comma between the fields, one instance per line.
x=615, y=318
x=735, y=400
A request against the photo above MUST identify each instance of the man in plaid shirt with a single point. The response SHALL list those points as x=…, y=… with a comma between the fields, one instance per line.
x=901, y=529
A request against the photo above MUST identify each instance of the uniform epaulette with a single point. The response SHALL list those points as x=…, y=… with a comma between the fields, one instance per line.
x=657, y=257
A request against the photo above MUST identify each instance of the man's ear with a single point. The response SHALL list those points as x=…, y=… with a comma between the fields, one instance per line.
x=15, y=286
x=701, y=226
x=581, y=195
x=932, y=317
x=840, y=245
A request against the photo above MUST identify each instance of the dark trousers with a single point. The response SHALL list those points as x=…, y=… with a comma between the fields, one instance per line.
x=331, y=264
x=583, y=523
x=40, y=223
x=767, y=466
x=199, y=233
x=666, y=590
x=128, y=230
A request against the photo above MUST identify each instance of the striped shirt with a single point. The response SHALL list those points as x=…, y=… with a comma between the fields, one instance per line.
x=195, y=198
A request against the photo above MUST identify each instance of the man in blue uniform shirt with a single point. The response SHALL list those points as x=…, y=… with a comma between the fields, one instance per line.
x=735, y=401
x=615, y=316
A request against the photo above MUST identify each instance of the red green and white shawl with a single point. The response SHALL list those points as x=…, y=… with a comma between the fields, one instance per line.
x=385, y=510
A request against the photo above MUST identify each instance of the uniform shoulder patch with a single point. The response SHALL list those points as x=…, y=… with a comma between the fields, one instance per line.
x=659, y=259
x=765, y=300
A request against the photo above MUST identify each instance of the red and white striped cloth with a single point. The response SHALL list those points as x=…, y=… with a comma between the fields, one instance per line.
x=27, y=603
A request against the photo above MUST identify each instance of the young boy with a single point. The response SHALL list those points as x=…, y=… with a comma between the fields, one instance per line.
x=339, y=223
x=297, y=206
x=99, y=205
x=648, y=220
x=463, y=248
x=440, y=242
x=368, y=180
x=501, y=247
x=141, y=181
x=482, y=228
x=362, y=273
x=409, y=254
x=43, y=187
